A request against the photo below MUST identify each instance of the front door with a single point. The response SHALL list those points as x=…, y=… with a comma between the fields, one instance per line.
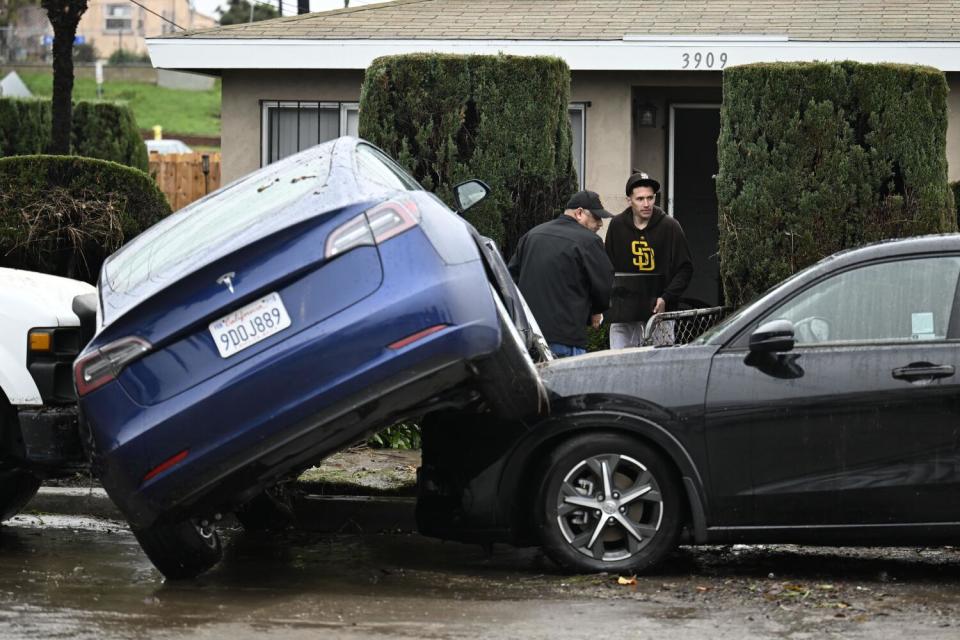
x=692, y=197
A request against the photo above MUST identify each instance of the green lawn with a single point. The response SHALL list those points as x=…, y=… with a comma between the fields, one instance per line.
x=177, y=111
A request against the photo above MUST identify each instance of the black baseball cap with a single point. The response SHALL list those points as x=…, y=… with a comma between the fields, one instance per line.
x=590, y=201
x=641, y=179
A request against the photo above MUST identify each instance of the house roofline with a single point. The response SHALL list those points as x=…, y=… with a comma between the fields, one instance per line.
x=671, y=53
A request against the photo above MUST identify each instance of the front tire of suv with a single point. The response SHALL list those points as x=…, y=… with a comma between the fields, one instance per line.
x=608, y=502
x=181, y=550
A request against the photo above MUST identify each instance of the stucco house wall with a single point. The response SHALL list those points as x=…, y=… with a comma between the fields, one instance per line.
x=240, y=111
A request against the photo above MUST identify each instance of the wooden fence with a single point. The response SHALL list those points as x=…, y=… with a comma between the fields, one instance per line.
x=181, y=178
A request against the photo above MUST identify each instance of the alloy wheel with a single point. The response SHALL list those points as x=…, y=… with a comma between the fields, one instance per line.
x=609, y=507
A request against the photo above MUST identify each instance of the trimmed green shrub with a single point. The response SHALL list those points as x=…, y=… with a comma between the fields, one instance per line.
x=502, y=119
x=65, y=214
x=123, y=56
x=102, y=130
x=818, y=157
x=24, y=126
x=108, y=131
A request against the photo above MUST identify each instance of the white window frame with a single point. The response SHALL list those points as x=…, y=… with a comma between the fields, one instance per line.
x=582, y=108
x=345, y=109
x=266, y=105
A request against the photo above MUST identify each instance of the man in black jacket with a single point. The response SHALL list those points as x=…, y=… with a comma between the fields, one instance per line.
x=652, y=261
x=565, y=275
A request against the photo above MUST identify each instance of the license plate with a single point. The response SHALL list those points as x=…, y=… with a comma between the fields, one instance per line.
x=249, y=325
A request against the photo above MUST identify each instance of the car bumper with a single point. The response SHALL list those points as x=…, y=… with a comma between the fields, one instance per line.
x=48, y=438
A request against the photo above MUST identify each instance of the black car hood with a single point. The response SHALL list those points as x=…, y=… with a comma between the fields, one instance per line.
x=668, y=376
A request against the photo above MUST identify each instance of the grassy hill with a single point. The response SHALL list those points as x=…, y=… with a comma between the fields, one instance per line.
x=177, y=111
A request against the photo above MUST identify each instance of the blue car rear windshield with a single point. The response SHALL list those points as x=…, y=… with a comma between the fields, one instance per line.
x=251, y=208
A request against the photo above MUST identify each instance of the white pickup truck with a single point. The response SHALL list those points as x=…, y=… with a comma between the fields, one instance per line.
x=44, y=323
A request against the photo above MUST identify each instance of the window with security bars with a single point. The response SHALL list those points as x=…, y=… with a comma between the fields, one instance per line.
x=289, y=126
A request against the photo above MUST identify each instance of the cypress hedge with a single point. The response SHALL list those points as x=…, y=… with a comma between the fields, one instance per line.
x=64, y=215
x=102, y=130
x=819, y=157
x=108, y=131
x=502, y=119
x=24, y=126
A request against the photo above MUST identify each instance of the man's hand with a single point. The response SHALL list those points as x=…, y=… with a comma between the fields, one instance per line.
x=660, y=306
x=596, y=320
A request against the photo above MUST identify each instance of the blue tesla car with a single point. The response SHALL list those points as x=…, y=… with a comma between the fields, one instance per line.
x=280, y=319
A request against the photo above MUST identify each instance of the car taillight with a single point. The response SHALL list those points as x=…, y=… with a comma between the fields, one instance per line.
x=374, y=226
x=94, y=370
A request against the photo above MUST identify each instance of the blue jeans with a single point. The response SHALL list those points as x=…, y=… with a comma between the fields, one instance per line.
x=565, y=350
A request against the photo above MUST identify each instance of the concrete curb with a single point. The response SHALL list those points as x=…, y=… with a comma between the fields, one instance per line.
x=74, y=501
x=320, y=513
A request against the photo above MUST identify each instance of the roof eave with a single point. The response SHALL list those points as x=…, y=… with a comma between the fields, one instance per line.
x=673, y=53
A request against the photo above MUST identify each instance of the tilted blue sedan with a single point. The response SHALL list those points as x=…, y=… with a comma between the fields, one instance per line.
x=280, y=319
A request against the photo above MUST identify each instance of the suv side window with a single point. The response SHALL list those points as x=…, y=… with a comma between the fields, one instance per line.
x=378, y=168
x=897, y=301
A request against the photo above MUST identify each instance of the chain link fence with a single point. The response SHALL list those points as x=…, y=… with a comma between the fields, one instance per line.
x=681, y=327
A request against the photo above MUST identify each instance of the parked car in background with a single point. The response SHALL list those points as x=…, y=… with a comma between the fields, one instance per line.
x=280, y=319
x=40, y=335
x=167, y=145
x=825, y=412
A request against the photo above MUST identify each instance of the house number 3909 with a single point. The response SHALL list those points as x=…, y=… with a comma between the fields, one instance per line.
x=700, y=61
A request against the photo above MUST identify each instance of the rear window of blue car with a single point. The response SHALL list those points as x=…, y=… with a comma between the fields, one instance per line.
x=259, y=200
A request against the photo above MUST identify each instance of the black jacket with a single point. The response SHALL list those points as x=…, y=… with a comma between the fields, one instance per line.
x=565, y=276
x=650, y=264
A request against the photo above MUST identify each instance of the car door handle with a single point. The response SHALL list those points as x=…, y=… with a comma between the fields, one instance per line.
x=923, y=371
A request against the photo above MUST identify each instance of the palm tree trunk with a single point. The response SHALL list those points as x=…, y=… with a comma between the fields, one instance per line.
x=64, y=15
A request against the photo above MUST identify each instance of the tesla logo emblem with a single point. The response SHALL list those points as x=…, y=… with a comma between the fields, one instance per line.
x=227, y=280
x=643, y=255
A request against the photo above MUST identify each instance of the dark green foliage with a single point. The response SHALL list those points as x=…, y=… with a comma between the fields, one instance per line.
x=102, y=130
x=405, y=435
x=108, y=131
x=598, y=339
x=122, y=56
x=502, y=119
x=238, y=12
x=817, y=157
x=65, y=214
x=24, y=126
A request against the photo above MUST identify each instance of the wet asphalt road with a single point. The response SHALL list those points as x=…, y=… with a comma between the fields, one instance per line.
x=78, y=578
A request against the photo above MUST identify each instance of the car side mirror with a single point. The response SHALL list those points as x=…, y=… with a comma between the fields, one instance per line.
x=469, y=193
x=772, y=337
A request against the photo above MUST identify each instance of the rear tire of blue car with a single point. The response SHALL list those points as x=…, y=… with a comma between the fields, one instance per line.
x=608, y=502
x=509, y=379
x=182, y=550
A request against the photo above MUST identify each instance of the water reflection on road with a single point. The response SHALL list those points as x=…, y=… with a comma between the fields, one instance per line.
x=83, y=578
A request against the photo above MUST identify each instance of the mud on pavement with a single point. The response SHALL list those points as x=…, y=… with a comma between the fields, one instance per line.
x=87, y=578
